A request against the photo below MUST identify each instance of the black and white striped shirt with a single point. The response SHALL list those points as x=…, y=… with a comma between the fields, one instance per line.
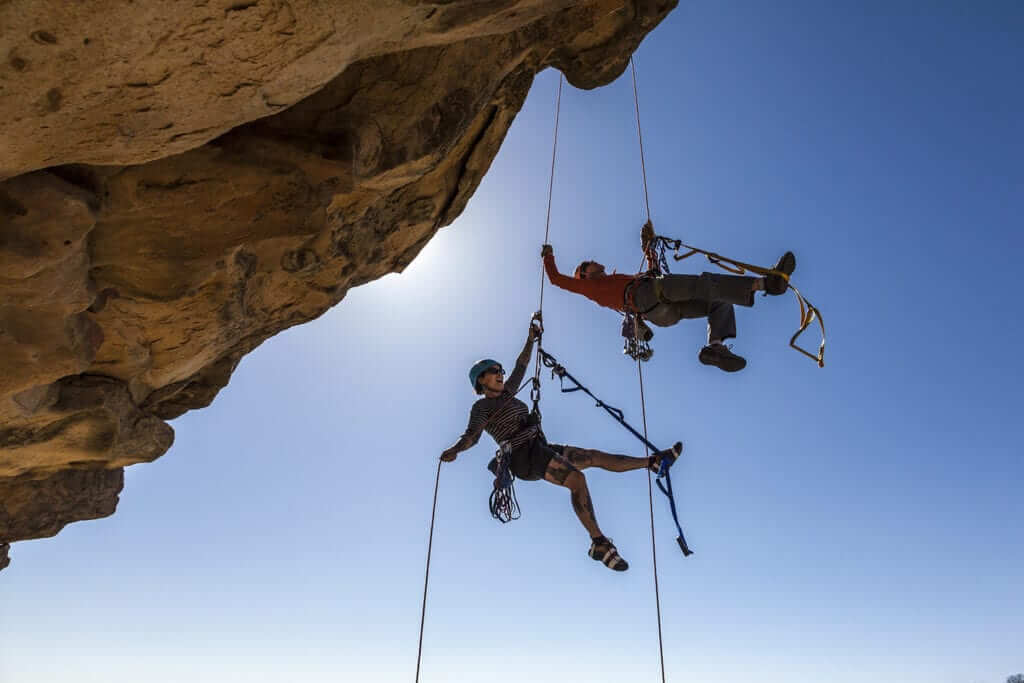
x=503, y=416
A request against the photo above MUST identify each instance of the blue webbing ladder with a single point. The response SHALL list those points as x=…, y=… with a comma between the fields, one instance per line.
x=663, y=472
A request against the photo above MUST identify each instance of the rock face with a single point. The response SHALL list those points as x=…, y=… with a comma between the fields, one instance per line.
x=176, y=187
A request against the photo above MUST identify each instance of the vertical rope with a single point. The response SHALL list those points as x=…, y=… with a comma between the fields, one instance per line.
x=554, y=148
x=650, y=505
x=640, y=373
x=547, y=220
x=640, y=135
x=551, y=183
x=426, y=577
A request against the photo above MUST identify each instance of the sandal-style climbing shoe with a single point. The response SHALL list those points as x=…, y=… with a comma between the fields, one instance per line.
x=721, y=357
x=662, y=460
x=776, y=284
x=604, y=551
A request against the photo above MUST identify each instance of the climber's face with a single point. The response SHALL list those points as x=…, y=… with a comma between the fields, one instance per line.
x=493, y=380
x=592, y=271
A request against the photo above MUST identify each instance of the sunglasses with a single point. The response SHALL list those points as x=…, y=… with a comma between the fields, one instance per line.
x=498, y=370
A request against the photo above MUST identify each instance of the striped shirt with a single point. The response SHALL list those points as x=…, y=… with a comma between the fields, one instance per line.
x=503, y=416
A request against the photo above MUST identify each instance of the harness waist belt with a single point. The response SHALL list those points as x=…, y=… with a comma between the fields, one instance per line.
x=627, y=295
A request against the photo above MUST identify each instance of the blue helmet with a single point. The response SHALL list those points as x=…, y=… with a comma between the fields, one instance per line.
x=478, y=369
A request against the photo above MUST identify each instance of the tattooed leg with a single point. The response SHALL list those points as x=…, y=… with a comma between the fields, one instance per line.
x=584, y=506
x=582, y=458
x=558, y=471
x=563, y=473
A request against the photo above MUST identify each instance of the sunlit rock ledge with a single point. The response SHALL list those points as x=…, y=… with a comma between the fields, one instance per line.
x=177, y=187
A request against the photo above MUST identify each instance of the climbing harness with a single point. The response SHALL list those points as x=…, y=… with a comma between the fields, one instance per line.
x=659, y=245
x=559, y=371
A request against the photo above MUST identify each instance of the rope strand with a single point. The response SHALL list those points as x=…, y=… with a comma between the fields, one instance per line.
x=551, y=187
x=640, y=373
x=426, y=577
x=640, y=135
x=547, y=232
x=650, y=505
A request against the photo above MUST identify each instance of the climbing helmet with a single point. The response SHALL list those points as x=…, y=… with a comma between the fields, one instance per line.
x=478, y=369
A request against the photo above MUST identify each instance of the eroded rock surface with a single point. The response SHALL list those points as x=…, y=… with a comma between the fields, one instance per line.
x=179, y=186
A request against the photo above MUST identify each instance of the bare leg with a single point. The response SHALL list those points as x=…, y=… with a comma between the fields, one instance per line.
x=582, y=458
x=561, y=472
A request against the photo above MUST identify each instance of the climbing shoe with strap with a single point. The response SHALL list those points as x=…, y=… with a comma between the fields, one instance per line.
x=776, y=284
x=603, y=550
x=721, y=357
x=662, y=460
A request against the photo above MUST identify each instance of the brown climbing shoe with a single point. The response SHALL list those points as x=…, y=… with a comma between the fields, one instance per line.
x=721, y=357
x=776, y=284
x=604, y=551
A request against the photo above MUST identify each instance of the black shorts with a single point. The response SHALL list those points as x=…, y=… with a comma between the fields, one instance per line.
x=530, y=461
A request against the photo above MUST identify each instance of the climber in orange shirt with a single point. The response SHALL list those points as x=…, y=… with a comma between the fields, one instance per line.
x=664, y=300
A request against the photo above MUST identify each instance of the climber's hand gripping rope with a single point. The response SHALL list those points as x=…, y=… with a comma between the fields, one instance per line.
x=536, y=326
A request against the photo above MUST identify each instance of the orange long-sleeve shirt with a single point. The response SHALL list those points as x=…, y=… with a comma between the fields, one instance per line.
x=608, y=291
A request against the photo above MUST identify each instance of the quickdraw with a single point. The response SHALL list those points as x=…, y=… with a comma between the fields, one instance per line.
x=657, y=245
x=636, y=346
x=557, y=370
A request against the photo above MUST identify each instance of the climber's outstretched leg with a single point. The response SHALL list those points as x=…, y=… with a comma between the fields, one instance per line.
x=560, y=471
x=582, y=458
x=671, y=298
x=733, y=289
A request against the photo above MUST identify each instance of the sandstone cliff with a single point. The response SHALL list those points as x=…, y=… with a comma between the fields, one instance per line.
x=180, y=182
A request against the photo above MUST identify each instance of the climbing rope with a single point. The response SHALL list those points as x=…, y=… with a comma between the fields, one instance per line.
x=640, y=137
x=426, y=576
x=640, y=357
x=503, y=502
x=547, y=230
x=650, y=506
x=635, y=346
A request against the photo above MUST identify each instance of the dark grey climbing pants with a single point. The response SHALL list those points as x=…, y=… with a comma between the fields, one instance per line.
x=707, y=295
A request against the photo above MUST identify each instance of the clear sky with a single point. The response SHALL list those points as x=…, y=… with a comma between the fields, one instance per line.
x=860, y=522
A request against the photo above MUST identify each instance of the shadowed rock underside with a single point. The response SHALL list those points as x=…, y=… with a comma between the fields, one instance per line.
x=173, y=195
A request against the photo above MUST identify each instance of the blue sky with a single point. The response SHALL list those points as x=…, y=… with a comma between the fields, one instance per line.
x=858, y=521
